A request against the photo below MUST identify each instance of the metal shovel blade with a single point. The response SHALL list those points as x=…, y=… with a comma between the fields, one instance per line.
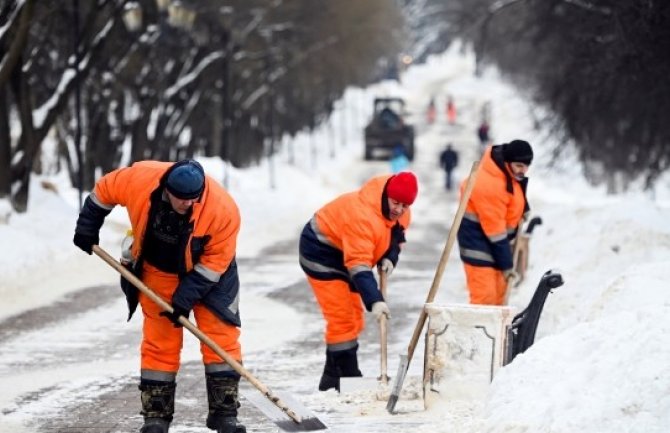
x=403, y=366
x=368, y=385
x=308, y=420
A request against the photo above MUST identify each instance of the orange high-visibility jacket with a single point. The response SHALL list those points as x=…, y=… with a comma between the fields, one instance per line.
x=349, y=236
x=215, y=218
x=493, y=213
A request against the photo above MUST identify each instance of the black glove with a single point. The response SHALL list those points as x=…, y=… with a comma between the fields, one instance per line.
x=398, y=234
x=174, y=316
x=87, y=231
x=86, y=242
x=393, y=251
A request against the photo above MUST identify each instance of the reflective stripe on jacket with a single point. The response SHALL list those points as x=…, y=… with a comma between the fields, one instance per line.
x=347, y=237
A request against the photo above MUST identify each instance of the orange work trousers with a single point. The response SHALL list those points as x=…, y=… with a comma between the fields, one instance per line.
x=487, y=285
x=342, y=309
x=162, y=341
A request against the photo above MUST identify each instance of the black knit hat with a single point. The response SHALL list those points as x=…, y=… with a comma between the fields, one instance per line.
x=186, y=180
x=517, y=151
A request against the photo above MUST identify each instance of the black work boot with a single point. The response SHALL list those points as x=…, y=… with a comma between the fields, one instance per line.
x=331, y=374
x=339, y=363
x=223, y=399
x=347, y=362
x=155, y=425
x=157, y=405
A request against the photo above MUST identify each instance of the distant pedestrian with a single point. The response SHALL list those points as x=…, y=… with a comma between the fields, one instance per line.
x=483, y=133
x=399, y=160
x=431, y=112
x=448, y=161
x=451, y=110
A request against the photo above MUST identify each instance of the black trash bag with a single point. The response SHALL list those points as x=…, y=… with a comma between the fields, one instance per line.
x=131, y=292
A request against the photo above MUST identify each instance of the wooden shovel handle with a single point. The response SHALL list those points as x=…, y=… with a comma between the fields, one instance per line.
x=451, y=239
x=515, y=262
x=383, y=278
x=197, y=332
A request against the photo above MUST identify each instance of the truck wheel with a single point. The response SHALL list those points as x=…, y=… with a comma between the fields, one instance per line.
x=368, y=154
x=410, y=152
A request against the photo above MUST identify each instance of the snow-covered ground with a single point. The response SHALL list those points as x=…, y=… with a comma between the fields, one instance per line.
x=600, y=361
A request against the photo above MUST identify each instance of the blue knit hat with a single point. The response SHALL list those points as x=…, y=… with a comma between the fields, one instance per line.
x=186, y=180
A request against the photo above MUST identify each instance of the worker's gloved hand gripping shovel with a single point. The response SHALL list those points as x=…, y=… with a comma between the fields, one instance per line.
x=297, y=419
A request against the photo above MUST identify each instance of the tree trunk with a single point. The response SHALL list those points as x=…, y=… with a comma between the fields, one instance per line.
x=5, y=146
x=13, y=56
x=27, y=143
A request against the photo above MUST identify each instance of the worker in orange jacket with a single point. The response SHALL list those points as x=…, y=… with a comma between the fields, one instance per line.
x=491, y=220
x=185, y=230
x=451, y=110
x=339, y=248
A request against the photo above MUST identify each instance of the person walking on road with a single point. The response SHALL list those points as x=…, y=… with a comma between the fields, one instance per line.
x=451, y=110
x=431, y=112
x=339, y=248
x=399, y=161
x=185, y=229
x=448, y=161
x=483, y=134
x=492, y=217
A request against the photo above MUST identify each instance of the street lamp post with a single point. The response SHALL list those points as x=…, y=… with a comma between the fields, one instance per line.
x=77, y=104
x=132, y=16
x=227, y=95
x=271, y=118
x=159, y=38
x=228, y=113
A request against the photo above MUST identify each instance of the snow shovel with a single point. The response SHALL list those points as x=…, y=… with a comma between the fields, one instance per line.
x=520, y=255
x=521, y=249
x=279, y=412
x=383, y=376
x=451, y=238
x=380, y=384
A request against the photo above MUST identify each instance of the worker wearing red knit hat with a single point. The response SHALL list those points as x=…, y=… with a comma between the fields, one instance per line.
x=339, y=249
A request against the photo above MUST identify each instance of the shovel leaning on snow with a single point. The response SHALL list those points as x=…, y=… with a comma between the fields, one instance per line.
x=403, y=366
x=300, y=419
x=520, y=256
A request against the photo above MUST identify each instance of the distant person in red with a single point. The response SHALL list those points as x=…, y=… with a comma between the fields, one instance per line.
x=432, y=112
x=451, y=111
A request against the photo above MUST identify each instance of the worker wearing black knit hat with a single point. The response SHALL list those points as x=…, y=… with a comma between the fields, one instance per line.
x=492, y=217
x=517, y=151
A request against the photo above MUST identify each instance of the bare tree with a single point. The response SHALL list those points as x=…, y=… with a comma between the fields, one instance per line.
x=220, y=80
x=599, y=66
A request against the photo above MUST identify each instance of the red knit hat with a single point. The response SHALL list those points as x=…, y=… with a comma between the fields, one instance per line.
x=403, y=187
